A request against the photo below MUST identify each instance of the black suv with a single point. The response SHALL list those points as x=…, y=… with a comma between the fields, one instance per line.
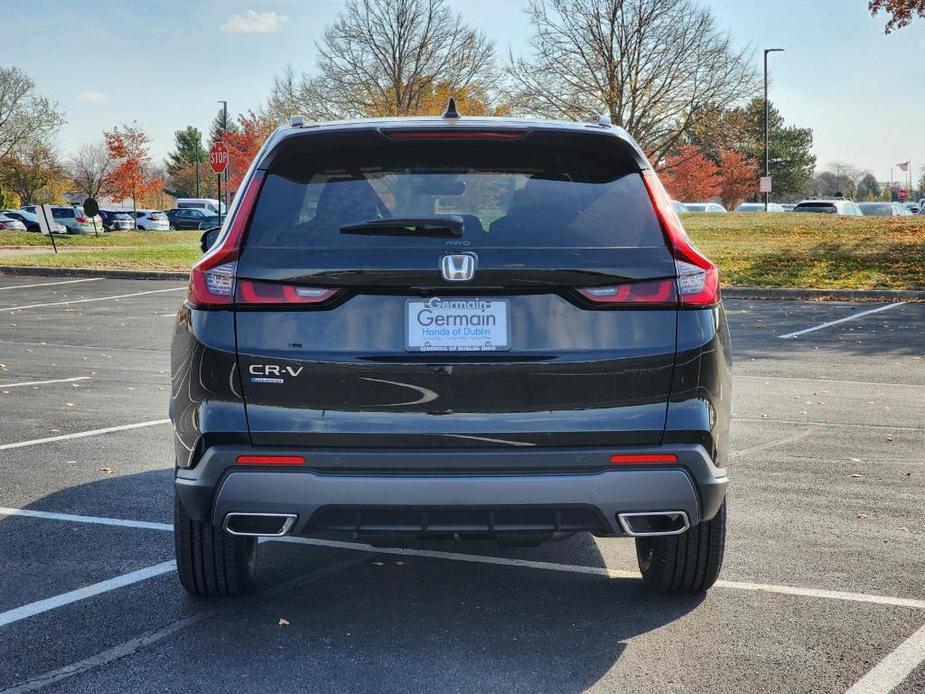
x=451, y=327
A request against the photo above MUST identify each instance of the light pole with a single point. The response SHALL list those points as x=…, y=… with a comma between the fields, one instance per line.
x=224, y=131
x=767, y=134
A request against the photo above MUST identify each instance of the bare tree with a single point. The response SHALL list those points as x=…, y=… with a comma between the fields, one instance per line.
x=656, y=67
x=386, y=57
x=25, y=117
x=89, y=167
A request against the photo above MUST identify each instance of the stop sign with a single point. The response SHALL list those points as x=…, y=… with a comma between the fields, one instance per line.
x=902, y=194
x=218, y=157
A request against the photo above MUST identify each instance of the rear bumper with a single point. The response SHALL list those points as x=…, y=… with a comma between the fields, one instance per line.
x=452, y=480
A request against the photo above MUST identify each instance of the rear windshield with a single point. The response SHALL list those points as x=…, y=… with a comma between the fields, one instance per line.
x=508, y=196
x=885, y=210
x=819, y=207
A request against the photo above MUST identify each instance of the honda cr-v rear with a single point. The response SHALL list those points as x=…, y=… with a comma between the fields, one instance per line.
x=451, y=328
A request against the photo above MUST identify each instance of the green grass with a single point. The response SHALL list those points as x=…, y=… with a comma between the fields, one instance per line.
x=777, y=250
x=806, y=250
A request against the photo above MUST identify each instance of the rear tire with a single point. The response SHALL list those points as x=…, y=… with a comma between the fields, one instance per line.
x=211, y=562
x=687, y=563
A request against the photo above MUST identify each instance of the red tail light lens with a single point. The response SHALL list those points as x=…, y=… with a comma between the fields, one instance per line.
x=644, y=458
x=83, y=220
x=212, y=279
x=658, y=292
x=253, y=292
x=270, y=460
x=698, y=278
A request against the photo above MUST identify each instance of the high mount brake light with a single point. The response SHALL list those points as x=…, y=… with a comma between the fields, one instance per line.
x=454, y=134
x=212, y=279
x=655, y=292
x=698, y=278
x=254, y=292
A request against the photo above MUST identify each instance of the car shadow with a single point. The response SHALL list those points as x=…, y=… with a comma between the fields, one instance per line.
x=368, y=620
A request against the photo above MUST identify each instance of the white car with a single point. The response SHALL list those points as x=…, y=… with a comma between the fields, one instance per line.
x=759, y=207
x=834, y=206
x=704, y=207
x=151, y=220
x=10, y=224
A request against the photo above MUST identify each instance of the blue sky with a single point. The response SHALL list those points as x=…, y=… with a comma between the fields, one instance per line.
x=165, y=63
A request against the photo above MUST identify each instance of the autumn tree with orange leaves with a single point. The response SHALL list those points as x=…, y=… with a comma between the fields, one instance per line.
x=129, y=177
x=900, y=12
x=739, y=177
x=690, y=176
x=243, y=145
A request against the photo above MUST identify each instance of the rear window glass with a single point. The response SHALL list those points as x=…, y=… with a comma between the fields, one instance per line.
x=819, y=207
x=61, y=213
x=507, y=196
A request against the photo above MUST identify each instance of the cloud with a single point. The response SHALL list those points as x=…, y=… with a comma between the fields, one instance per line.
x=93, y=97
x=254, y=22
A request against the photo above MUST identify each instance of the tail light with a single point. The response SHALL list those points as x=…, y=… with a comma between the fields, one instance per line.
x=270, y=460
x=212, y=279
x=454, y=134
x=83, y=220
x=659, y=292
x=698, y=278
x=253, y=292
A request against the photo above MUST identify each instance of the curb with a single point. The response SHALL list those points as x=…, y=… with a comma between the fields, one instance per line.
x=89, y=272
x=881, y=295
x=759, y=293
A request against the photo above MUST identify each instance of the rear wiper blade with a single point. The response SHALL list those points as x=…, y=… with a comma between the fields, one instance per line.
x=449, y=226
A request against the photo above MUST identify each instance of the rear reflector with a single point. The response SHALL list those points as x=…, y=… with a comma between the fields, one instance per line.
x=644, y=458
x=254, y=292
x=657, y=292
x=270, y=460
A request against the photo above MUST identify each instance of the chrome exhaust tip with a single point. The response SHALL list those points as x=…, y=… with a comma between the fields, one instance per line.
x=259, y=524
x=654, y=524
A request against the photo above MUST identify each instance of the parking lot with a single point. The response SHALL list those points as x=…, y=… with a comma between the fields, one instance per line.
x=823, y=587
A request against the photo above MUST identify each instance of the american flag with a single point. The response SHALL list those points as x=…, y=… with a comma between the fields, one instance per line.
x=904, y=165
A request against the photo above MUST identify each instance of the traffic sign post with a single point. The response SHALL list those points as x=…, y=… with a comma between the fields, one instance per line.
x=218, y=160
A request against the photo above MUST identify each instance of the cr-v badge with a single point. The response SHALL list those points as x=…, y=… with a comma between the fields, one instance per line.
x=458, y=267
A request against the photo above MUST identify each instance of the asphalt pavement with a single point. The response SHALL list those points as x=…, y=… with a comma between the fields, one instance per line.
x=823, y=587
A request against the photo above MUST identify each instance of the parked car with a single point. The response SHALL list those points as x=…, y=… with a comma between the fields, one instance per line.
x=705, y=207
x=788, y=206
x=913, y=207
x=8, y=223
x=32, y=221
x=835, y=206
x=759, y=207
x=882, y=209
x=191, y=218
x=208, y=204
x=442, y=375
x=679, y=207
x=74, y=218
x=117, y=220
x=151, y=220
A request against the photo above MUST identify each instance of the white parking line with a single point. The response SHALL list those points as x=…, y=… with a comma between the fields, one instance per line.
x=842, y=320
x=81, y=434
x=896, y=667
x=95, y=520
x=505, y=561
x=771, y=444
x=43, y=383
x=98, y=298
x=34, y=608
x=50, y=284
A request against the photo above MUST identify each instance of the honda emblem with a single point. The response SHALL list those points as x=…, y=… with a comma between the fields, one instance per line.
x=458, y=267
